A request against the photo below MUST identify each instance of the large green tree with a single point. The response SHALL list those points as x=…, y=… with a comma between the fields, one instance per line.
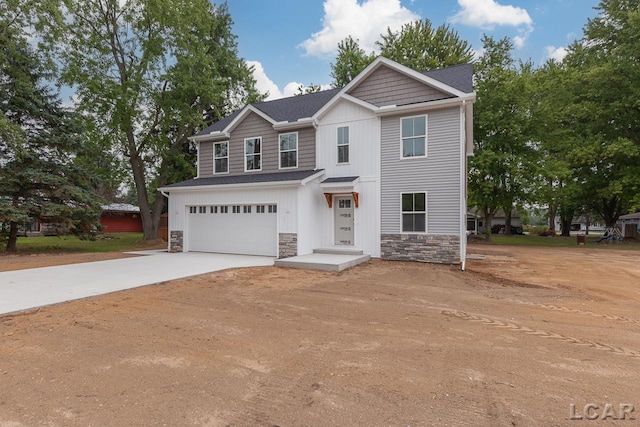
x=421, y=47
x=417, y=45
x=500, y=168
x=150, y=73
x=605, y=112
x=39, y=142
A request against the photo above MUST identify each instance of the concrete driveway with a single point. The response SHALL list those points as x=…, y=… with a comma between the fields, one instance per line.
x=37, y=287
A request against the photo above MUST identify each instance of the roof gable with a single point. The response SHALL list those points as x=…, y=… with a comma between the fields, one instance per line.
x=432, y=85
x=387, y=86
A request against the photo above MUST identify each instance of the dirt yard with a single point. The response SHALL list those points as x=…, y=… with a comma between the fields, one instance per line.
x=524, y=337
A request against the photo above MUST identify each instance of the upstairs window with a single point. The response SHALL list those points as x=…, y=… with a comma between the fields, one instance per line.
x=221, y=157
x=253, y=154
x=414, y=212
x=343, y=144
x=414, y=136
x=289, y=150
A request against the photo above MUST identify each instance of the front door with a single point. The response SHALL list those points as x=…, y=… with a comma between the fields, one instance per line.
x=343, y=223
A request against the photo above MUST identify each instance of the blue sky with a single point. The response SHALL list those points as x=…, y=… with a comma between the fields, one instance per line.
x=294, y=42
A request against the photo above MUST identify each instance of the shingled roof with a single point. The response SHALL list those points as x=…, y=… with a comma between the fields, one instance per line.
x=253, y=178
x=298, y=107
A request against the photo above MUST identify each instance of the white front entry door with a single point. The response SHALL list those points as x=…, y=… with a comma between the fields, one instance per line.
x=343, y=220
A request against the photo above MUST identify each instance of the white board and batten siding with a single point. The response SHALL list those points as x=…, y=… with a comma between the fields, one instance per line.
x=438, y=174
x=364, y=162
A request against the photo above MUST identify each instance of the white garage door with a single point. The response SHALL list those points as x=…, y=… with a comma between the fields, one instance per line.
x=233, y=229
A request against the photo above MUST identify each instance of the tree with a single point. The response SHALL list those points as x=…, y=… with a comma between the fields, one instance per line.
x=503, y=152
x=150, y=73
x=604, y=111
x=350, y=62
x=38, y=143
x=417, y=45
x=421, y=47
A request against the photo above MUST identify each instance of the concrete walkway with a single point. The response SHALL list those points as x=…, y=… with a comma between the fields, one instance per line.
x=26, y=289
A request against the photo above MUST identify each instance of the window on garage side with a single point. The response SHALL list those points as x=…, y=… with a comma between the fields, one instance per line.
x=288, y=150
x=260, y=209
x=253, y=154
x=414, y=212
x=273, y=208
x=343, y=144
x=414, y=136
x=221, y=157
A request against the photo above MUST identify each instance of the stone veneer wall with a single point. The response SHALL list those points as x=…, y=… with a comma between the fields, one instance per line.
x=176, y=241
x=444, y=249
x=288, y=245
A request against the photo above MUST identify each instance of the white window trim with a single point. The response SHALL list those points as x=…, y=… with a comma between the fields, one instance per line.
x=426, y=210
x=297, y=150
x=426, y=140
x=338, y=145
x=214, y=158
x=246, y=154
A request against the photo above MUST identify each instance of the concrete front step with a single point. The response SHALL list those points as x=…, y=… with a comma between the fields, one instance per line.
x=323, y=261
x=338, y=251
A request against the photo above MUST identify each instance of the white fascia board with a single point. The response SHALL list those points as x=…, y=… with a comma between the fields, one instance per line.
x=208, y=136
x=312, y=177
x=307, y=121
x=422, y=106
x=359, y=102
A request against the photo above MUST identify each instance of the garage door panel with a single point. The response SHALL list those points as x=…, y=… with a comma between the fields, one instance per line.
x=236, y=233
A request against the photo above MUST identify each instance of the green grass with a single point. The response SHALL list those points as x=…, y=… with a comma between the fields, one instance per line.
x=559, y=241
x=116, y=242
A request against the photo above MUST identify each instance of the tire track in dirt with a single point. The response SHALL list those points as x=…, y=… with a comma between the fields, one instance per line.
x=542, y=334
x=568, y=310
x=283, y=387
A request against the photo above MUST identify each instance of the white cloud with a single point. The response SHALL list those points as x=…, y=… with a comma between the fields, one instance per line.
x=488, y=13
x=364, y=21
x=556, y=53
x=263, y=83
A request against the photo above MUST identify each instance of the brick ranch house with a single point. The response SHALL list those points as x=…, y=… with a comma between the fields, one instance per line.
x=379, y=165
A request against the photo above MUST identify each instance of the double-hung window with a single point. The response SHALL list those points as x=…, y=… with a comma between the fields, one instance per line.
x=288, y=150
x=221, y=157
x=414, y=212
x=343, y=144
x=253, y=154
x=414, y=136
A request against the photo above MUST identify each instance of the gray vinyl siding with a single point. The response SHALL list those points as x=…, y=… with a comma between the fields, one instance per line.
x=205, y=157
x=389, y=87
x=255, y=126
x=438, y=175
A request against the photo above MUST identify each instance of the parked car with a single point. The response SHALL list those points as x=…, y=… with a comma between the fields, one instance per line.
x=499, y=229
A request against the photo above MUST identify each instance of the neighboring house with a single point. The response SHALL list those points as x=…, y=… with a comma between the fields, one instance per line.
x=498, y=219
x=630, y=225
x=379, y=165
x=120, y=218
x=582, y=224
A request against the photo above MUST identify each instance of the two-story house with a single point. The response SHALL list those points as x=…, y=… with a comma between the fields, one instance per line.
x=379, y=165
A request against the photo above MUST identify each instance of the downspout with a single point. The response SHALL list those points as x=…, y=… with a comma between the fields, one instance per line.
x=463, y=185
